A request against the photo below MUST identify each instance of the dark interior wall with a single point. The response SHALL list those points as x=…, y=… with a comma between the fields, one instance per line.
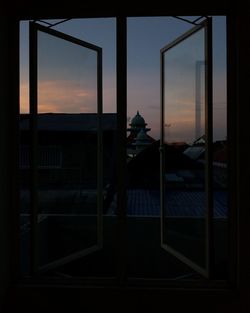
x=242, y=26
x=30, y=9
x=8, y=129
x=3, y=187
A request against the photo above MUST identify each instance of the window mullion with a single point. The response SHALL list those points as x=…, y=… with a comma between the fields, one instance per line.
x=33, y=150
x=121, y=148
x=209, y=145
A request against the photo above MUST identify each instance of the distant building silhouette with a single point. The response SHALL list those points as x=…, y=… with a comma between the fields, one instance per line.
x=138, y=139
x=67, y=150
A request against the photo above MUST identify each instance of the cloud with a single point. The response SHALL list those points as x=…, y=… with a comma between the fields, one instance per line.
x=69, y=96
x=61, y=96
x=66, y=96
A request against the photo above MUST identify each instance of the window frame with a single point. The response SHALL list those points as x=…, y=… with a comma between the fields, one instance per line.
x=205, y=25
x=121, y=195
x=236, y=173
x=34, y=29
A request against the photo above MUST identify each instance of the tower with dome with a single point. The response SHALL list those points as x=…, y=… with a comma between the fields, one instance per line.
x=138, y=139
x=137, y=124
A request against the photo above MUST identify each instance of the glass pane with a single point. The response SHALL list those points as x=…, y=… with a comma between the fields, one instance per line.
x=146, y=258
x=67, y=148
x=184, y=212
x=220, y=157
x=24, y=192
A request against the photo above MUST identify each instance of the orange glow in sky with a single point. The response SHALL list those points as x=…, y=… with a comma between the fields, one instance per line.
x=67, y=96
x=60, y=96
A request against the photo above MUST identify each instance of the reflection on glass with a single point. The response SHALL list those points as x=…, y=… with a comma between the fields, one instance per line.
x=24, y=193
x=67, y=76
x=146, y=258
x=67, y=148
x=184, y=145
x=69, y=180
x=184, y=90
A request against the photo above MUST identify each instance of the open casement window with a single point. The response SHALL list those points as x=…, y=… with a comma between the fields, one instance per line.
x=186, y=120
x=65, y=77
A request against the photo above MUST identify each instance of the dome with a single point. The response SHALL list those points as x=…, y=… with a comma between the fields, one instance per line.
x=142, y=136
x=138, y=121
x=141, y=140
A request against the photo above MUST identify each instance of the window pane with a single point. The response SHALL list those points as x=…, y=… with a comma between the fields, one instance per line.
x=184, y=144
x=67, y=151
x=67, y=147
x=220, y=157
x=146, y=257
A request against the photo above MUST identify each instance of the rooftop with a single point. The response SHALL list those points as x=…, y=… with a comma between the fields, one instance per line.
x=80, y=122
x=180, y=203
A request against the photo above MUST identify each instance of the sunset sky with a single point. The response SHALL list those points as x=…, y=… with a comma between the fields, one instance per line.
x=182, y=62
x=67, y=73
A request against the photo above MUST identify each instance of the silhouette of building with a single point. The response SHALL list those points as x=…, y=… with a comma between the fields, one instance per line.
x=138, y=139
x=67, y=161
x=67, y=148
x=138, y=123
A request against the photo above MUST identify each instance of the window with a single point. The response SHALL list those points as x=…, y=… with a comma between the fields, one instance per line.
x=172, y=201
x=121, y=118
x=66, y=109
